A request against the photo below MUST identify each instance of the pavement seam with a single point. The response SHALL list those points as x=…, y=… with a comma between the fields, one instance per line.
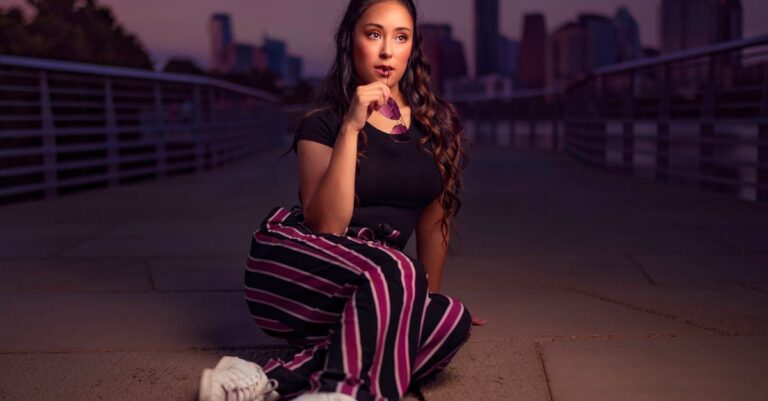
x=651, y=311
x=540, y=355
x=58, y=253
x=149, y=276
x=640, y=268
x=751, y=287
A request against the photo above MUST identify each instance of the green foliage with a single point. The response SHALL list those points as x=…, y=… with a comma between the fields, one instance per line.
x=73, y=30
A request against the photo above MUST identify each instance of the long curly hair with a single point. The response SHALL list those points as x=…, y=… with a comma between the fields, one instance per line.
x=439, y=119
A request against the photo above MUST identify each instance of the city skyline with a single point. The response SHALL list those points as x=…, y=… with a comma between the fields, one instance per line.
x=318, y=20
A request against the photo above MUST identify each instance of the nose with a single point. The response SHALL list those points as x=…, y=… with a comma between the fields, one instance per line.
x=386, y=49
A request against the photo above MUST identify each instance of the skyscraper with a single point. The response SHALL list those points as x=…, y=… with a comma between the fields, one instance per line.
x=240, y=58
x=567, y=58
x=602, y=41
x=532, y=57
x=277, y=59
x=445, y=54
x=578, y=47
x=688, y=24
x=220, y=32
x=486, y=37
x=628, y=35
x=508, y=51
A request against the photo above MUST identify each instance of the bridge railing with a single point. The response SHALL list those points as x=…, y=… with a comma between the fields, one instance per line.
x=68, y=126
x=697, y=117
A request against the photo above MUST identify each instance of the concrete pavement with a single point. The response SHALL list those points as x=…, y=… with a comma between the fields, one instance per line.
x=597, y=286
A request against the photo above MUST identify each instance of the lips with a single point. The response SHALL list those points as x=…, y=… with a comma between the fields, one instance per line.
x=383, y=70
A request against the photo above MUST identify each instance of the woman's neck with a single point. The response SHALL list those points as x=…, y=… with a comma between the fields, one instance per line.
x=397, y=96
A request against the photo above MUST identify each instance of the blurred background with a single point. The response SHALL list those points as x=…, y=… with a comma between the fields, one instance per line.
x=668, y=89
x=614, y=223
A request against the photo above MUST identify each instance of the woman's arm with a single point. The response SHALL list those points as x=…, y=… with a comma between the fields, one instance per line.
x=327, y=182
x=430, y=249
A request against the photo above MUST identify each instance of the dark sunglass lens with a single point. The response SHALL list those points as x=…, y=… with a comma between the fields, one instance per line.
x=400, y=133
x=390, y=110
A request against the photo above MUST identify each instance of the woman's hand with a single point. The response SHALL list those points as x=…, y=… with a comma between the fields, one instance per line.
x=366, y=100
x=476, y=321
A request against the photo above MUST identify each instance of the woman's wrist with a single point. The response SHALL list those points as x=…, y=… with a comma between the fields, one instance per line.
x=348, y=129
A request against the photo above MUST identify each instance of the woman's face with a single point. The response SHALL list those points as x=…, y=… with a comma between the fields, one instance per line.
x=383, y=37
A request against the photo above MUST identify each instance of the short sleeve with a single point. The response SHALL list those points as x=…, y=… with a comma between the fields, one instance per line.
x=319, y=127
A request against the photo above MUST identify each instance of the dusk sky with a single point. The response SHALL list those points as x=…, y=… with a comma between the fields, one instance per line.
x=179, y=27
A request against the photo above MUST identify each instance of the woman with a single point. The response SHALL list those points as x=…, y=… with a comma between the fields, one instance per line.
x=379, y=159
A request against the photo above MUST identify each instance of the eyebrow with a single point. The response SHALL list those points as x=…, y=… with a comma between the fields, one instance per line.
x=402, y=28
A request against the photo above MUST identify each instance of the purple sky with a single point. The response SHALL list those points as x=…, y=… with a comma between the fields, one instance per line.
x=178, y=27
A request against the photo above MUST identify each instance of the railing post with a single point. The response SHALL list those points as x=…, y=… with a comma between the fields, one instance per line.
x=212, y=129
x=663, y=135
x=762, y=146
x=160, y=138
x=707, y=169
x=599, y=120
x=628, y=126
x=49, y=139
x=200, y=137
x=113, y=157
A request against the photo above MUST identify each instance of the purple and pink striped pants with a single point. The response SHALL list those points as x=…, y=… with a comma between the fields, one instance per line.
x=361, y=310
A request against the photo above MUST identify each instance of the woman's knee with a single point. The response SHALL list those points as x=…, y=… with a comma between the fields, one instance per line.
x=463, y=327
x=404, y=278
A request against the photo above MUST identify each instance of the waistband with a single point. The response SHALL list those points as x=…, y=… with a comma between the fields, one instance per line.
x=381, y=233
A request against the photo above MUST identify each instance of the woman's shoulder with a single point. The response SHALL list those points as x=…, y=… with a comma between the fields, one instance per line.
x=324, y=114
x=320, y=124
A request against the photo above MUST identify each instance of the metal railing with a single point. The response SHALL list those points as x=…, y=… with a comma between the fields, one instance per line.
x=697, y=117
x=69, y=126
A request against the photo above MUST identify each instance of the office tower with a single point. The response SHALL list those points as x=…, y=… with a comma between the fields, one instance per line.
x=532, y=56
x=628, y=36
x=276, y=56
x=445, y=54
x=240, y=58
x=602, y=40
x=508, y=52
x=486, y=37
x=579, y=47
x=293, y=70
x=220, y=33
x=688, y=24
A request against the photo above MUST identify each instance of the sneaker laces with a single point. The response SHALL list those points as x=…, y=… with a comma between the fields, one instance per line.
x=241, y=388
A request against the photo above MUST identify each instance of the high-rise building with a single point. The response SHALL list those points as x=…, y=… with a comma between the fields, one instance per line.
x=602, y=40
x=293, y=70
x=220, y=33
x=240, y=58
x=531, y=66
x=567, y=58
x=688, y=24
x=580, y=46
x=445, y=54
x=508, y=51
x=276, y=56
x=628, y=35
x=486, y=37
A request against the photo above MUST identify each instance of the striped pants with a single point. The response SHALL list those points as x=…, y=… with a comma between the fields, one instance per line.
x=360, y=309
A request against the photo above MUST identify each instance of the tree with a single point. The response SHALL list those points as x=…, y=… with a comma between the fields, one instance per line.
x=74, y=30
x=183, y=66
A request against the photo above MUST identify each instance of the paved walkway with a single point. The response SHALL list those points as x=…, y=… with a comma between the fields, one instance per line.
x=597, y=286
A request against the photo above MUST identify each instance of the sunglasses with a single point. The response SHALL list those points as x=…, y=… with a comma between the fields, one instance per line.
x=391, y=111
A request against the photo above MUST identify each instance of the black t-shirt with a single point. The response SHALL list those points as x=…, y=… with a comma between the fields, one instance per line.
x=394, y=181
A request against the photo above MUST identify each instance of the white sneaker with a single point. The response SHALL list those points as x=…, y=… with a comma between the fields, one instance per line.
x=324, y=397
x=236, y=379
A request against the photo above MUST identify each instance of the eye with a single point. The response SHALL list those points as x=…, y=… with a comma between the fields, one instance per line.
x=405, y=38
x=372, y=33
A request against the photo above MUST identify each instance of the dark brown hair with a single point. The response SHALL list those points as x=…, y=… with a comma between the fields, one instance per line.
x=439, y=119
